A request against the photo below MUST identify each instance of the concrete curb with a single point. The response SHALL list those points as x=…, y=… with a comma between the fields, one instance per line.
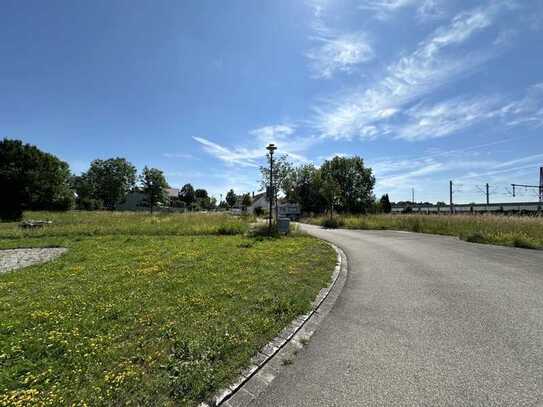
x=267, y=363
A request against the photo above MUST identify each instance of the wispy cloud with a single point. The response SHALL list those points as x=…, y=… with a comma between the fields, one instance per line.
x=282, y=135
x=445, y=118
x=384, y=9
x=241, y=156
x=339, y=53
x=433, y=64
x=526, y=111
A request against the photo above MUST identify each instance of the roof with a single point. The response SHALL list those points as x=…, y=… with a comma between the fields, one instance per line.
x=172, y=192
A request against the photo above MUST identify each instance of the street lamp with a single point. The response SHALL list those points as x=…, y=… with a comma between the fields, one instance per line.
x=271, y=193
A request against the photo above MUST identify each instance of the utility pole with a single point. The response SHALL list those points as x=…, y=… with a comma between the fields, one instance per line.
x=413, y=196
x=451, y=196
x=271, y=194
x=487, y=195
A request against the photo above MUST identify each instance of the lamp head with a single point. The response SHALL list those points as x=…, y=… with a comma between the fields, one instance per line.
x=271, y=148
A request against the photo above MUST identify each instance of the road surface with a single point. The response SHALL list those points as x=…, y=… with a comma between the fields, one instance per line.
x=423, y=320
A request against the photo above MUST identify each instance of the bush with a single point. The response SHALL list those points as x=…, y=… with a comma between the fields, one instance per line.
x=259, y=211
x=476, y=237
x=332, y=223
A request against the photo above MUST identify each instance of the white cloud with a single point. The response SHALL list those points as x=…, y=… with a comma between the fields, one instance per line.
x=432, y=64
x=240, y=156
x=340, y=53
x=282, y=135
x=445, y=118
x=384, y=9
x=526, y=111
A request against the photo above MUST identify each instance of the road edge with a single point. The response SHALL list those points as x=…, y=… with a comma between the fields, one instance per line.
x=274, y=356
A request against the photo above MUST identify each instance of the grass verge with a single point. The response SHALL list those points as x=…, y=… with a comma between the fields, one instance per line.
x=148, y=319
x=526, y=232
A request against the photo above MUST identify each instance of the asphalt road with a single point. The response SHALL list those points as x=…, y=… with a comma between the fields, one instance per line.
x=423, y=320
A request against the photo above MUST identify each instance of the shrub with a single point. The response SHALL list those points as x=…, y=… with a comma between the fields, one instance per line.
x=476, y=237
x=332, y=223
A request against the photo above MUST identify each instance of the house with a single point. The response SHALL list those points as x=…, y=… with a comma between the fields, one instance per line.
x=259, y=201
x=135, y=200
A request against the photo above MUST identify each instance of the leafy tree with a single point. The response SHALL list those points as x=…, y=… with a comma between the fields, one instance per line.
x=305, y=188
x=31, y=179
x=187, y=195
x=84, y=191
x=282, y=174
x=203, y=200
x=111, y=180
x=355, y=182
x=231, y=198
x=385, y=204
x=223, y=205
x=330, y=191
x=153, y=186
x=246, y=200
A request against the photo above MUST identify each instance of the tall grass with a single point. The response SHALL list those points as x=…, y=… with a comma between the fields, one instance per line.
x=515, y=231
x=101, y=223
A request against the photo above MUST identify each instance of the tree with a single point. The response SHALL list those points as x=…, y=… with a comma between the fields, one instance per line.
x=202, y=198
x=231, y=198
x=111, y=180
x=355, y=182
x=330, y=191
x=282, y=174
x=153, y=186
x=246, y=201
x=187, y=195
x=305, y=188
x=31, y=180
x=385, y=204
x=84, y=191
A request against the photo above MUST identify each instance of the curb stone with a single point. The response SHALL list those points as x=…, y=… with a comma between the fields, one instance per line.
x=268, y=362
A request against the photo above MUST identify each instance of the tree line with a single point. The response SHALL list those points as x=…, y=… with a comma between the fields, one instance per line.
x=36, y=180
x=340, y=184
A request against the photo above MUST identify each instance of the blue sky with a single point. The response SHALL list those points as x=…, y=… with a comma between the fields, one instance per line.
x=424, y=90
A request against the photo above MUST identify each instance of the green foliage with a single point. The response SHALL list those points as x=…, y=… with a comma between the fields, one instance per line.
x=187, y=195
x=342, y=182
x=110, y=180
x=151, y=319
x=231, y=198
x=331, y=223
x=385, y=204
x=31, y=180
x=355, y=183
x=153, y=186
x=246, y=200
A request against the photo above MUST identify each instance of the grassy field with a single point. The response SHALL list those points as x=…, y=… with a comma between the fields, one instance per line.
x=526, y=232
x=146, y=310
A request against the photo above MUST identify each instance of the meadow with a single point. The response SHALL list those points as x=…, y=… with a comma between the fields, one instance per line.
x=146, y=309
x=517, y=231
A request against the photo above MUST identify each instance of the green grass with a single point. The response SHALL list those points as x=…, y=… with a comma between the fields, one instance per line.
x=526, y=232
x=101, y=223
x=148, y=318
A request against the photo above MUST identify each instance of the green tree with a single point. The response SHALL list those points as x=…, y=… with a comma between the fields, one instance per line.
x=153, y=186
x=202, y=198
x=187, y=195
x=246, y=201
x=330, y=192
x=355, y=183
x=305, y=188
x=282, y=174
x=111, y=180
x=385, y=204
x=84, y=192
x=31, y=180
x=231, y=198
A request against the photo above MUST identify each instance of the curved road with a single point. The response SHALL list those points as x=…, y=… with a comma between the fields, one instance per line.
x=423, y=320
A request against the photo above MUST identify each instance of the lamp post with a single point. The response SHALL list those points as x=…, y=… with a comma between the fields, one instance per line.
x=271, y=193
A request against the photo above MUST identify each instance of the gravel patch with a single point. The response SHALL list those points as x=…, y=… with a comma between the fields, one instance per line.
x=12, y=259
